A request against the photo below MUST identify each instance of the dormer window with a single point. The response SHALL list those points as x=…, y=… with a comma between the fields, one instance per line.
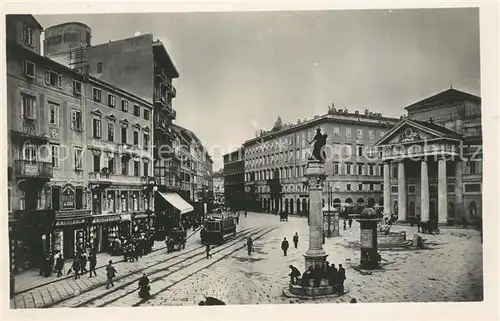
x=29, y=35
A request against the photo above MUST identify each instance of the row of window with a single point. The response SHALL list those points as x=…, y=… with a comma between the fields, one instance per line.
x=97, y=132
x=31, y=156
x=119, y=202
x=111, y=102
x=299, y=171
x=55, y=79
x=302, y=140
x=433, y=188
x=337, y=187
x=337, y=150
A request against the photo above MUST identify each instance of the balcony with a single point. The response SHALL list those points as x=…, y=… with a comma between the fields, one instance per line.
x=33, y=169
x=101, y=179
x=171, y=90
x=160, y=97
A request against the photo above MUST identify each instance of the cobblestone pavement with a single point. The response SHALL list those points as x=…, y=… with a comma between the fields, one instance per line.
x=35, y=291
x=449, y=269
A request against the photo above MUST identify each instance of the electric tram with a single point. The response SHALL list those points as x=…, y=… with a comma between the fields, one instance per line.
x=218, y=228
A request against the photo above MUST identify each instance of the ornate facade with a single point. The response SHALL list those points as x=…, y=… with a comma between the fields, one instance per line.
x=433, y=160
x=276, y=160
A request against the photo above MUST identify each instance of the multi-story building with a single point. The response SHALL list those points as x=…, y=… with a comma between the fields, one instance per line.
x=275, y=161
x=196, y=170
x=118, y=159
x=66, y=185
x=218, y=180
x=434, y=157
x=234, y=179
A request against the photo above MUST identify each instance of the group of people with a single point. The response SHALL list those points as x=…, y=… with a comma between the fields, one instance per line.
x=133, y=247
x=285, y=245
x=335, y=277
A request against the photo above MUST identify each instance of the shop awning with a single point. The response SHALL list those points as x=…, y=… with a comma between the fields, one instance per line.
x=178, y=202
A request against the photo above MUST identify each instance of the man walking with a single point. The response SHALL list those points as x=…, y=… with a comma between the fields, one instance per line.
x=110, y=273
x=295, y=239
x=92, y=264
x=341, y=279
x=207, y=250
x=59, y=266
x=249, y=246
x=284, y=246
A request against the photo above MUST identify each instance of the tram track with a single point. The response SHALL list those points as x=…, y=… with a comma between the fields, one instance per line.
x=242, y=234
x=256, y=235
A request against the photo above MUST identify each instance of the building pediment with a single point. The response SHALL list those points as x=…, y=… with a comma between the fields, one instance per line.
x=411, y=131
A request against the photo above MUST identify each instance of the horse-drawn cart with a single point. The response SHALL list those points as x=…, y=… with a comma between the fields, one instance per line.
x=176, y=240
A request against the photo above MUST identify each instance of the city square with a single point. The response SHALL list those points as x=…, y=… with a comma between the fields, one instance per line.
x=182, y=162
x=407, y=275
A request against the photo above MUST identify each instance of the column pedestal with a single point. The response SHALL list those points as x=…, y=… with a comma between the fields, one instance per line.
x=316, y=176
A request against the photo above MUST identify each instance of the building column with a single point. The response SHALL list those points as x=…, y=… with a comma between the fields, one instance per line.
x=424, y=191
x=442, y=192
x=387, y=189
x=459, y=192
x=401, y=192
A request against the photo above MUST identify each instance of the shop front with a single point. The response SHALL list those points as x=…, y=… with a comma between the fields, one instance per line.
x=30, y=238
x=126, y=225
x=71, y=234
x=104, y=230
x=140, y=222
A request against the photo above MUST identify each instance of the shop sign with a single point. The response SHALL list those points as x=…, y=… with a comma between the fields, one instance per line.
x=366, y=239
x=126, y=217
x=70, y=222
x=141, y=215
x=107, y=218
x=68, y=197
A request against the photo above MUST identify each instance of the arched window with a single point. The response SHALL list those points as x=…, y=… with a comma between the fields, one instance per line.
x=29, y=152
x=348, y=200
x=360, y=201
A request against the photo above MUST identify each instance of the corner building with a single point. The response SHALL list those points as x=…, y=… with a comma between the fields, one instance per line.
x=433, y=160
x=276, y=161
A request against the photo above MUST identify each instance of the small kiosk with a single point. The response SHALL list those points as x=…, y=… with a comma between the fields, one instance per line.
x=370, y=258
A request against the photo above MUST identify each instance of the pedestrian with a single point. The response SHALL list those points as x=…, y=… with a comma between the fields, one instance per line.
x=83, y=263
x=92, y=264
x=110, y=273
x=465, y=224
x=249, y=246
x=284, y=246
x=350, y=222
x=345, y=225
x=59, y=266
x=56, y=255
x=76, y=267
x=207, y=250
x=294, y=274
x=341, y=279
x=353, y=300
x=295, y=239
x=48, y=266
x=245, y=214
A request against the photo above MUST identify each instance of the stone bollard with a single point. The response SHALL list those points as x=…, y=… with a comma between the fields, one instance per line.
x=418, y=241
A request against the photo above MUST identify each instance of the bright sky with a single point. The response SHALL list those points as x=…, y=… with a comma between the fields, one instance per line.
x=240, y=71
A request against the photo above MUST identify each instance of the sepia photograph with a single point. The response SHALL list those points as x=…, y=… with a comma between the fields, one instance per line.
x=244, y=158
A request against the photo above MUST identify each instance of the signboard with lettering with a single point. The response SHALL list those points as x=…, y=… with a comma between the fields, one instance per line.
x=106, y=218
x=68, y=197
x=366, y=239
x=70, y=222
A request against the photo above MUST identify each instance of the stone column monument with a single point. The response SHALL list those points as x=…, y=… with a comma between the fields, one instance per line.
x=316, y=175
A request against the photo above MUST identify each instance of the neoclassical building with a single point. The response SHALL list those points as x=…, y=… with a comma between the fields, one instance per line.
x=433, y=160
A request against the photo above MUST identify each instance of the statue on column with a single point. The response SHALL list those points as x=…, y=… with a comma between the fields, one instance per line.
x=319, y=141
